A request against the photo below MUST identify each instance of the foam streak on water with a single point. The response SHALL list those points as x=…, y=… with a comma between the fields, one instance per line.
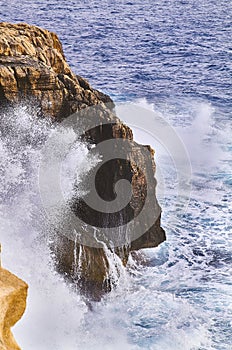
x=195, y=266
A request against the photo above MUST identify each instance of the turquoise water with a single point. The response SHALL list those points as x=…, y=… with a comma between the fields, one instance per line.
x=173, y=58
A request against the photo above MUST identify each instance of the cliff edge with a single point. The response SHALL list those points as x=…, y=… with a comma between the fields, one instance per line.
x=33, y=68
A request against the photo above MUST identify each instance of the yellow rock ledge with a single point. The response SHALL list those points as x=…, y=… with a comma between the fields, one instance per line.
x=13, y=294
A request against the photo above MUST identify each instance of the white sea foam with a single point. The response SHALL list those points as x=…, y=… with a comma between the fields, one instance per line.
x=176, y=296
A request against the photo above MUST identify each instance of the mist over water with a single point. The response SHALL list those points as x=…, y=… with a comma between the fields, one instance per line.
x=173, y=58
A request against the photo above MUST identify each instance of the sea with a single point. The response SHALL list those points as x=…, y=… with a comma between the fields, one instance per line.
x=173, y=60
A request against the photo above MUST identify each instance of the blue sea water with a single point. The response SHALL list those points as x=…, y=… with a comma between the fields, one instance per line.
x=172, y=57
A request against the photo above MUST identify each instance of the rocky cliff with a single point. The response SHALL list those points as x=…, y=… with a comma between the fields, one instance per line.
x=33, y=66
x=13, y=294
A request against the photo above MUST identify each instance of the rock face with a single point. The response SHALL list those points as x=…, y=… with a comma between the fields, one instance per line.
x=32, y=65
x=13, y=294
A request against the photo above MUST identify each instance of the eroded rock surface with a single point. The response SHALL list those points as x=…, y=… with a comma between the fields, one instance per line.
x=33, y=66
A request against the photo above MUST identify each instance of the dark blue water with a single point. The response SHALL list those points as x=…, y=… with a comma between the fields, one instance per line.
x=141, y=48
x=173, y=57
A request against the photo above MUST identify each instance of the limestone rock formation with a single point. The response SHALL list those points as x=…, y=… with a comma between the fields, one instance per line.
x=13, y=294
x=33, y=66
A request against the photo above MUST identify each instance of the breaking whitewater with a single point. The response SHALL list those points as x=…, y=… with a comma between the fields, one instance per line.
x=177, y=296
